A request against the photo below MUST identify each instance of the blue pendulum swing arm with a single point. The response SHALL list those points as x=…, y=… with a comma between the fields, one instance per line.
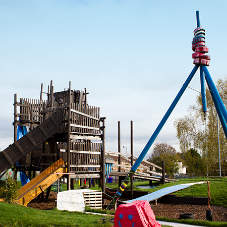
x=151, y=140
x=222, y=120
x=164, y=119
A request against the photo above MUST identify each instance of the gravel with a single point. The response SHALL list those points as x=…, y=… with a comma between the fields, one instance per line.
x=162, y=210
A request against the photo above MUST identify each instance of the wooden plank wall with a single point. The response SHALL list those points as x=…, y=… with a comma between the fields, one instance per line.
x=85, y=119
x=30, y=110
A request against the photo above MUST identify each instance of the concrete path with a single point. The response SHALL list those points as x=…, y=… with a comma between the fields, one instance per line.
x=174, y=224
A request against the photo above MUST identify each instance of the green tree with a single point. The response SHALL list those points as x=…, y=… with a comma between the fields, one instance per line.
x=194, y=132
x=193, y=161
x=167, y=153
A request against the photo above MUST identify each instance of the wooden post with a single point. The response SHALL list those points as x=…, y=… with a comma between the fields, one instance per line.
x=131, y=158
x=68, y=139
x=81, y=182
x=41, y=93
x=15, y=118
x=48, y=96
x=15, y=132
x=72, y=184
x=93, y=182
x=103, y=155
x=52, y=93
x=163, y=172
x=150, y=182
x=89, y=182
x=119, y=150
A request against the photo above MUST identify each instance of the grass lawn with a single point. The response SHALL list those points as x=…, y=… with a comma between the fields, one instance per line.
x=218, y=188
x=14, y=215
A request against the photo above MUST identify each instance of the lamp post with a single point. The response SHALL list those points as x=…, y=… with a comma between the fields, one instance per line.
x=219, y=155
x=126, y=149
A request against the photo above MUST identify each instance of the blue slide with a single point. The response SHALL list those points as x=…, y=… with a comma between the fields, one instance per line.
x=21, y=131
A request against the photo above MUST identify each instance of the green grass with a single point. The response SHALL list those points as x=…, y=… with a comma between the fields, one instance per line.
x=218, y=188
x=15, y=215
x=11, y=215
x=218, y=191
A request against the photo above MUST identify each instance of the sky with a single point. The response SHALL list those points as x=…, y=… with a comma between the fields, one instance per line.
x=132, y=56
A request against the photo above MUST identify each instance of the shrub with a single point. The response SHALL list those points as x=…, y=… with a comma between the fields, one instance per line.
x=10, y=190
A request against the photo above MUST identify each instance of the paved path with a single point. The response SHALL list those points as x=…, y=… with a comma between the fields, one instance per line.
x=174, y=224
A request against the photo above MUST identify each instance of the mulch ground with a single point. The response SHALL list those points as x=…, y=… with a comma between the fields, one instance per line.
x=162, y=210
x=199, y=211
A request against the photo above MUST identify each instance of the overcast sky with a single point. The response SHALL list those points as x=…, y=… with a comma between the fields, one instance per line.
x=133, y=56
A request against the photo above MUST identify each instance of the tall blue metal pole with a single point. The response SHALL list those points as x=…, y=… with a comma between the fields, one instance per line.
x=151, y=140
x=197, y=19
x=217, y=97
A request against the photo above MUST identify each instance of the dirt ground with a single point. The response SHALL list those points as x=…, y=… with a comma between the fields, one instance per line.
x=162, y=210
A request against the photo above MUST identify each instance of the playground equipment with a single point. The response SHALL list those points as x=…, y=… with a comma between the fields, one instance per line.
x=62, y=129
x=62, y=126
x=154, y=196
x=201, y=61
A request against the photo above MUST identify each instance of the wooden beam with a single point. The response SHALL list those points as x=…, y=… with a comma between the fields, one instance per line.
x=43, y=131
x=86, y=127
x=95, y=166
x=7, y=157
x=79, y=137
x=81, y=152
x=85, y=176
x=85, y=115
x=19, y=148
x=57, y=126
x=31, y=139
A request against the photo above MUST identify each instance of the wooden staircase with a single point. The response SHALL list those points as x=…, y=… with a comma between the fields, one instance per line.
x=30, y=141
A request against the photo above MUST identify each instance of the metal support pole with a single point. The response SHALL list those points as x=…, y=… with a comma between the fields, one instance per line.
x=132, y=157
x=119, y=149
x=151, y=140
x=197, y=19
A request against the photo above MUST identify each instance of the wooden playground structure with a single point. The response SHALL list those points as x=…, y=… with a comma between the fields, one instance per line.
x=63, y=133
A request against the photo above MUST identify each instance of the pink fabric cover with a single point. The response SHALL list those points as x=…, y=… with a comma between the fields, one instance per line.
x=137, y=213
